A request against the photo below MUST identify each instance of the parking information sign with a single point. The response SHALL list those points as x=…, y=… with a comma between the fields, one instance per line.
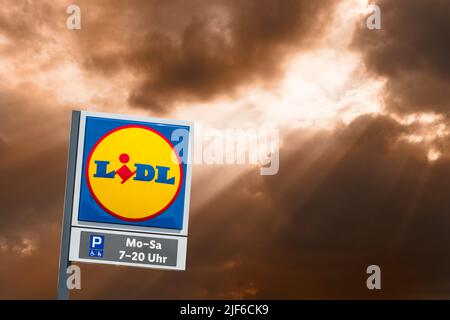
x=127, y=191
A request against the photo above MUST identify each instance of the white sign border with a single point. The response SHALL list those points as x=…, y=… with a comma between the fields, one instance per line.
x=74, y=251
x=79, y=167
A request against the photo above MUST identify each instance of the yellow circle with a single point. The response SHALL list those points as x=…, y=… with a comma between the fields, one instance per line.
x=126, y=196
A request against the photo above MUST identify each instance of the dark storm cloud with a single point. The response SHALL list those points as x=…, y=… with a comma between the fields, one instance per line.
x=175, y=49
x=196, y=50
x=32, y=159
x=23, y=24
x=310, y=231
x=33, y=148
x=412, y=51
x=340, y=203
x=31, y=275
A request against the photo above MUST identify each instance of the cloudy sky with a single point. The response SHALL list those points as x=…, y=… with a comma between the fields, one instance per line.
x=364, y=127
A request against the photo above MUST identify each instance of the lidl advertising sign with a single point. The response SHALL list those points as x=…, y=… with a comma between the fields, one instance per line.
x=131, y=190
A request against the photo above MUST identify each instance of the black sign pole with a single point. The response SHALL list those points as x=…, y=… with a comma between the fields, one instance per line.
x=64, y=263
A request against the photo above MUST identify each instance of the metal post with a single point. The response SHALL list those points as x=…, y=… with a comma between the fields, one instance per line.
x=64, y=263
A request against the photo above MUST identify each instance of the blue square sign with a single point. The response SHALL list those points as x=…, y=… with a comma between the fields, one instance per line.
x=133, y=172
x=96, y=245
